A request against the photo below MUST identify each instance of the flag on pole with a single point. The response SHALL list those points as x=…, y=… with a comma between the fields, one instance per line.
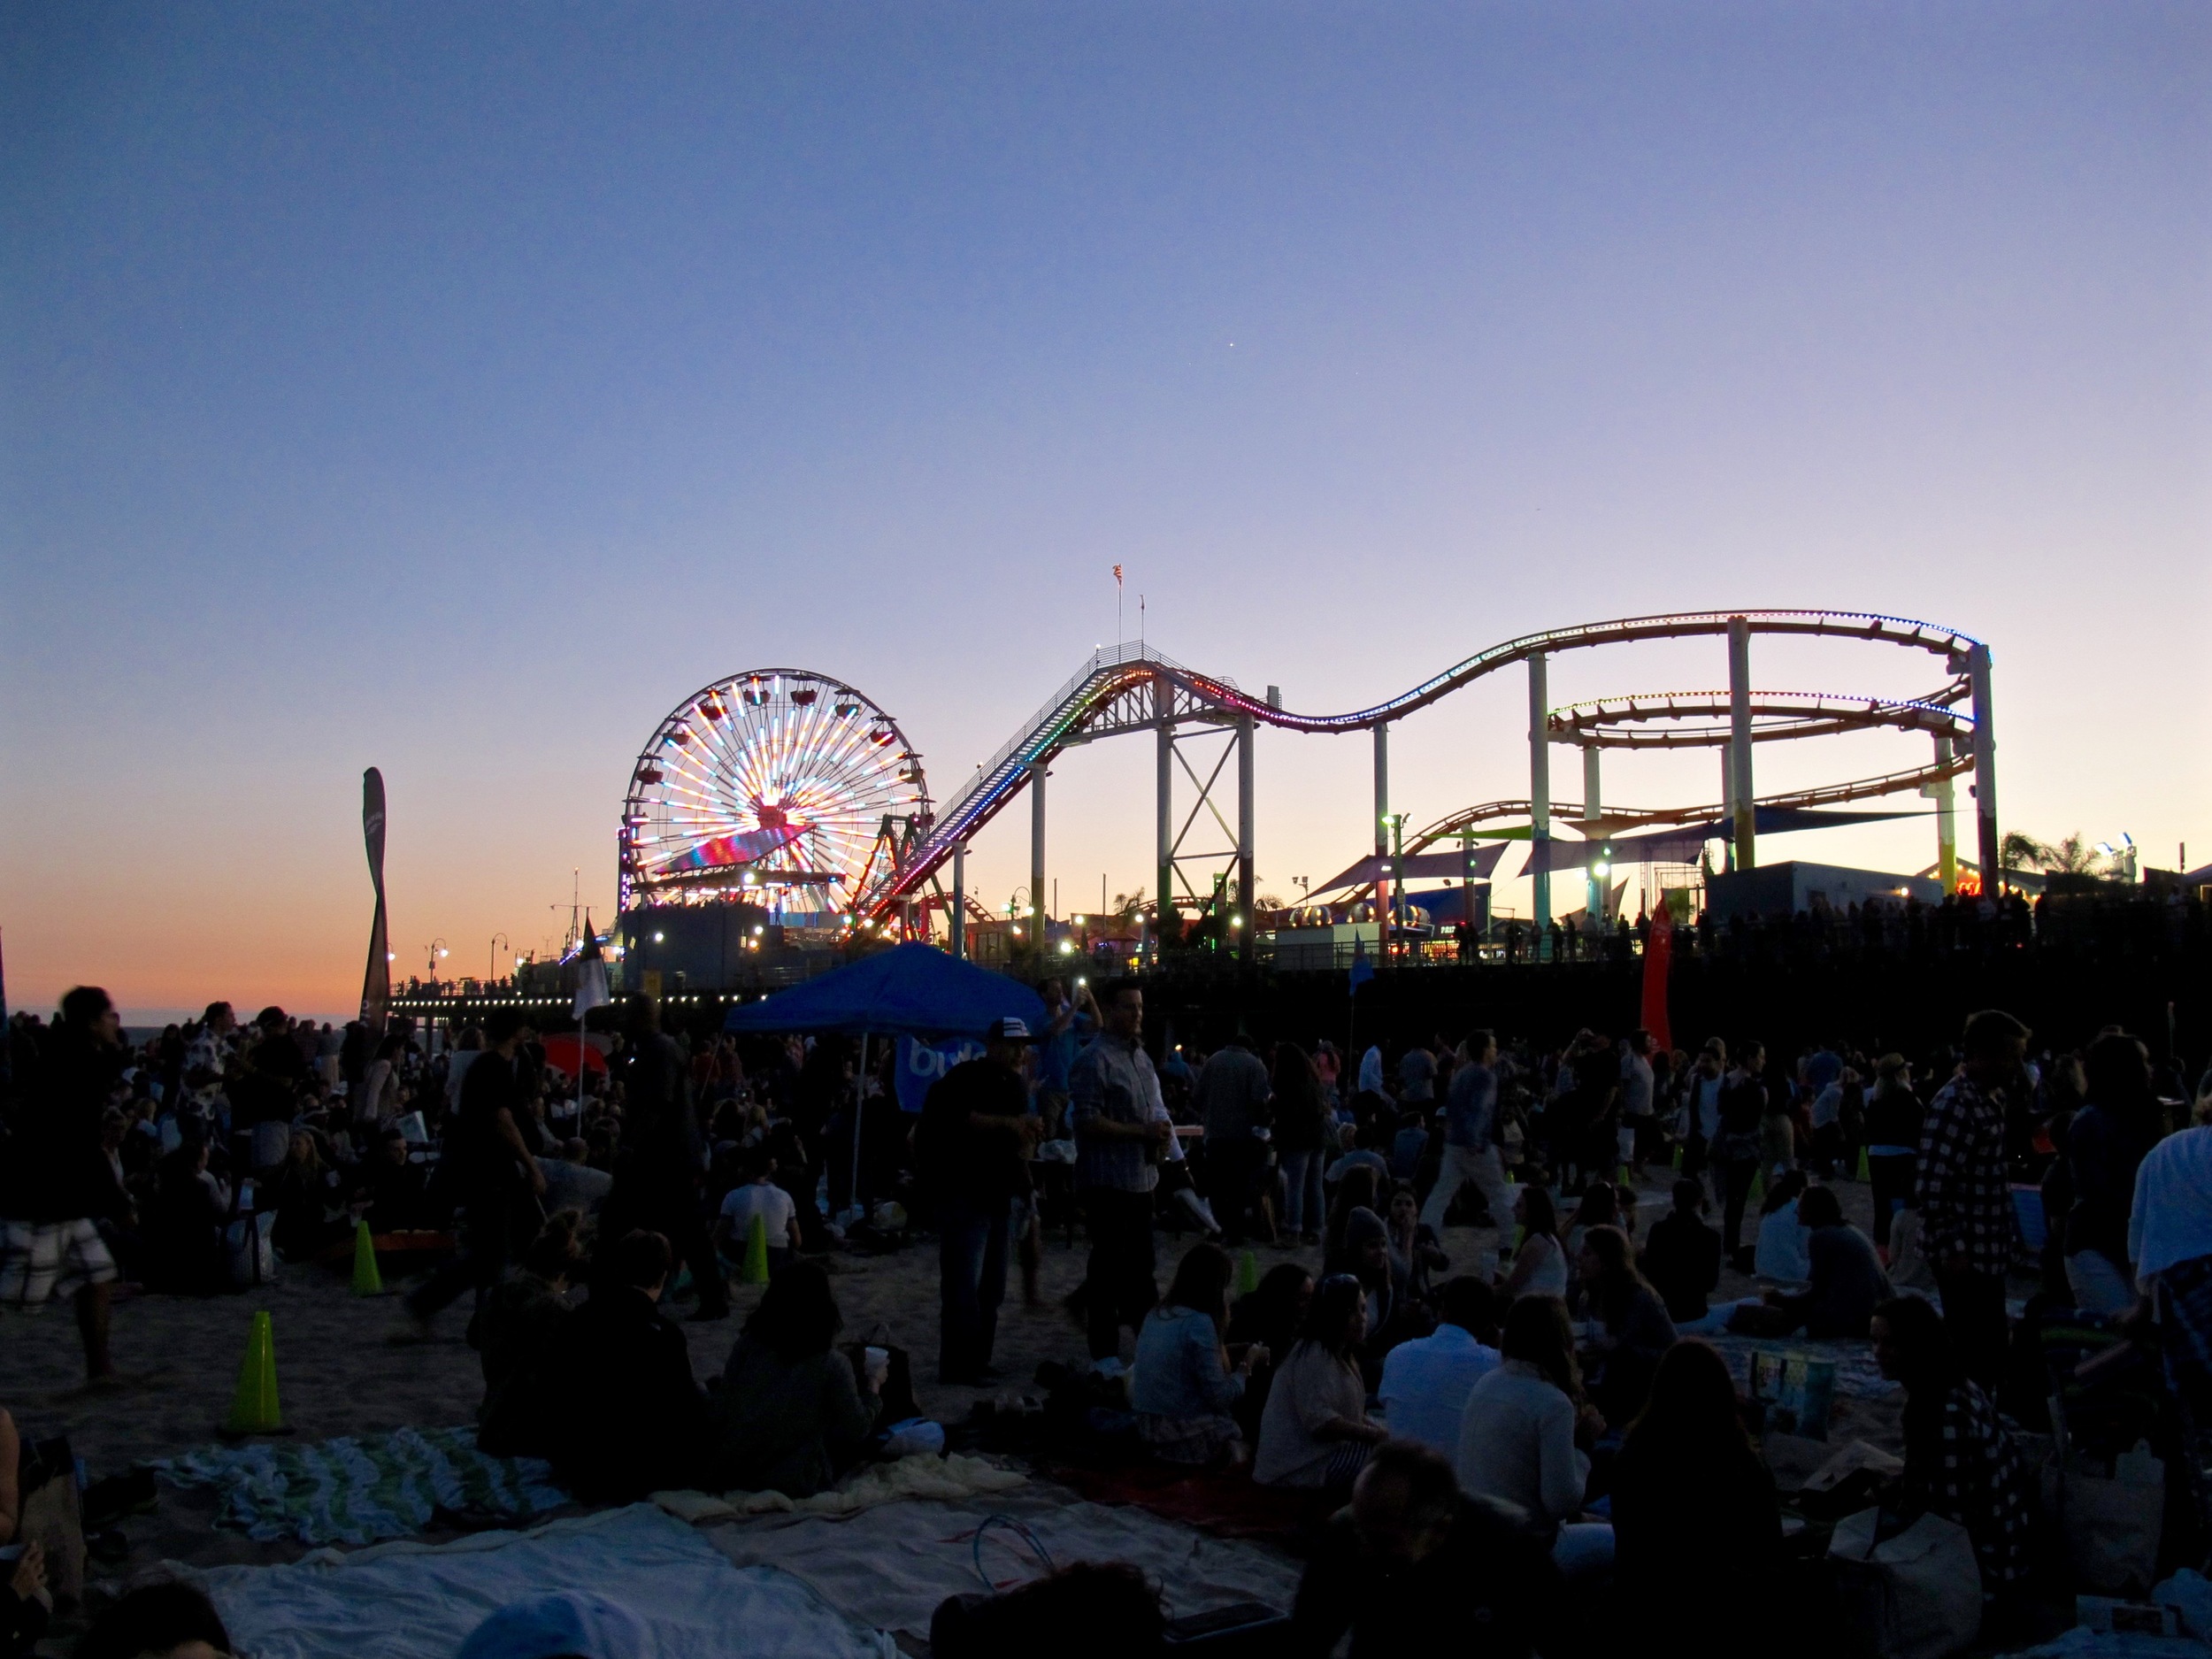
x=591, y=973
x=376, y=982
x=1362, y=970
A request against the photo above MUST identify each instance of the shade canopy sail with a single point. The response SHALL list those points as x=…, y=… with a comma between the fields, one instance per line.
x=1682, y=845
x=1417, y=867
x=908, y=991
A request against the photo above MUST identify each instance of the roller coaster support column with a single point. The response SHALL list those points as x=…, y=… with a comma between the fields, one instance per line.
x=1746, y=813
x=1947, y=819
x=960, y=902
x=1593, y=884
x=1244, y=833
x=1984, y=770
x=1037, y=857
x=1540, y=798
x=1383, y=869
x=1164, y=895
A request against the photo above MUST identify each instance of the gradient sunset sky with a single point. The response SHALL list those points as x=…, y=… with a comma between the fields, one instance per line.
x=453, y=389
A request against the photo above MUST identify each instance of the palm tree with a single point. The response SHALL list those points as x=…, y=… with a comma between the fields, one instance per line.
x=2022, y=851
x=2071, y=857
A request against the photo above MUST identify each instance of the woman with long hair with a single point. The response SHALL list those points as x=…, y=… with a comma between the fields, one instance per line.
x=1269, y=1316
x=1186, y=1388
x=308, y=1200
x=1315, y=1432
x=792, y=1415
x=1360, y=1189
x=1540, y=1261
x=1694, y=1503
x=1633, y=1330
x=1416, y=1257
x=1521, y=1437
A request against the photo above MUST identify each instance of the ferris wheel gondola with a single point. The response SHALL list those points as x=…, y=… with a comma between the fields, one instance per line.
x=761, y=784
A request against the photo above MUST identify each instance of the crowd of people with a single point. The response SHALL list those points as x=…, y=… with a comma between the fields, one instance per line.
x=1540, y=1416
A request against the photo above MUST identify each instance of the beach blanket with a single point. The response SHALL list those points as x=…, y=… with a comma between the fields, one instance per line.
x=412, y=1600
x=946, y=1477
x=1226, y=1502
x=357, y=1491
x=890, y=1566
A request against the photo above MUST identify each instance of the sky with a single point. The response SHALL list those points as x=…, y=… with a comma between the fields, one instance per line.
x=456, y=389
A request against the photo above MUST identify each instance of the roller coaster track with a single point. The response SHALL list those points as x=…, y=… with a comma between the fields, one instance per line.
x=1131, y=688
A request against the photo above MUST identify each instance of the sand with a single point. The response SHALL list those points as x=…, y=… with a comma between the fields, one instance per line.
x=338, y=1374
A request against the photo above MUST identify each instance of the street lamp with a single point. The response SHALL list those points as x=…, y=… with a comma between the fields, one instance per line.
x=438, y=952
x=491, y=963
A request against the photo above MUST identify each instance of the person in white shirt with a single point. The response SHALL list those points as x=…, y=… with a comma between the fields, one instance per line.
x=1425, y=1382
x=2169, y=1240
x=1784, y=1252
x=1517, y=1438
x=759, y=1196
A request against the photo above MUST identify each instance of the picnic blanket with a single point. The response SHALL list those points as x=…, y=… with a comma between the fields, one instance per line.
x=413, y=1601
x=356, y=1491
x=1226, y=1502
x=890, y=1566
x=948, y=1478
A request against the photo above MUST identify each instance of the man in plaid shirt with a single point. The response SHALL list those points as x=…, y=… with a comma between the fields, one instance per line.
x=1113, y=1089
x=1965, y=1203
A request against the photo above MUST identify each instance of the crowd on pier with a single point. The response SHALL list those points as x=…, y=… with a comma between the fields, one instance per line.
x=1501, y=1391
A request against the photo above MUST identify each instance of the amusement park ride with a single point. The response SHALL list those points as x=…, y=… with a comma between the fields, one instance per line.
x=781, y=793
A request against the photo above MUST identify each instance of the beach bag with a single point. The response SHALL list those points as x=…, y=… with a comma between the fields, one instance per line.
x=250, y=1242
x=2112, y=1526
x=1916, y=1594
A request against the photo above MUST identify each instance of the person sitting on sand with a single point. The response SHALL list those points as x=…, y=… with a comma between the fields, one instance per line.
x=522, y=1333
x=637, y=1417
x=304, y=1192
x=791, y=1417
x=1316, y=1433
x=1682, y=1255
x=1268, y=1316
x=391, y=1193
x=1846, y=1276
x=1186, y=1388
x=1412, y=1557
x=184, y=1233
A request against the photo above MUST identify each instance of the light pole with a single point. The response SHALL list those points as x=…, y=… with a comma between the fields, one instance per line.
x=492, y=961
x=438, y=953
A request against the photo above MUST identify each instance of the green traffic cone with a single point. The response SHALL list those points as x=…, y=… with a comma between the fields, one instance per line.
x=1865, y=1174
x=366, y=1280
x=1678, y=1157
x=755, y=1269
x=1758, y=1185
x=1248, y=1272
x=254, y=1409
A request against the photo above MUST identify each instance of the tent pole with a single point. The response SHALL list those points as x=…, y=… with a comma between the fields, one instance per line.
x=860, y=1105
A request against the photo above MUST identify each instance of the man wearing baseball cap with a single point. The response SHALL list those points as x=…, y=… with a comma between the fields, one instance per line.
x=972, y=1147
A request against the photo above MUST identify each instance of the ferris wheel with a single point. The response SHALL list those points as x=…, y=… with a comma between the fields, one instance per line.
x=762, y=783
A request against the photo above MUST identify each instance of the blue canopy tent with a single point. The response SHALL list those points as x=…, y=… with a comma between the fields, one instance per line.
x=908, y=991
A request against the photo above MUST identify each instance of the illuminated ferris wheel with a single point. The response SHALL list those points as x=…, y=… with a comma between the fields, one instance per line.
x=764, y=783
